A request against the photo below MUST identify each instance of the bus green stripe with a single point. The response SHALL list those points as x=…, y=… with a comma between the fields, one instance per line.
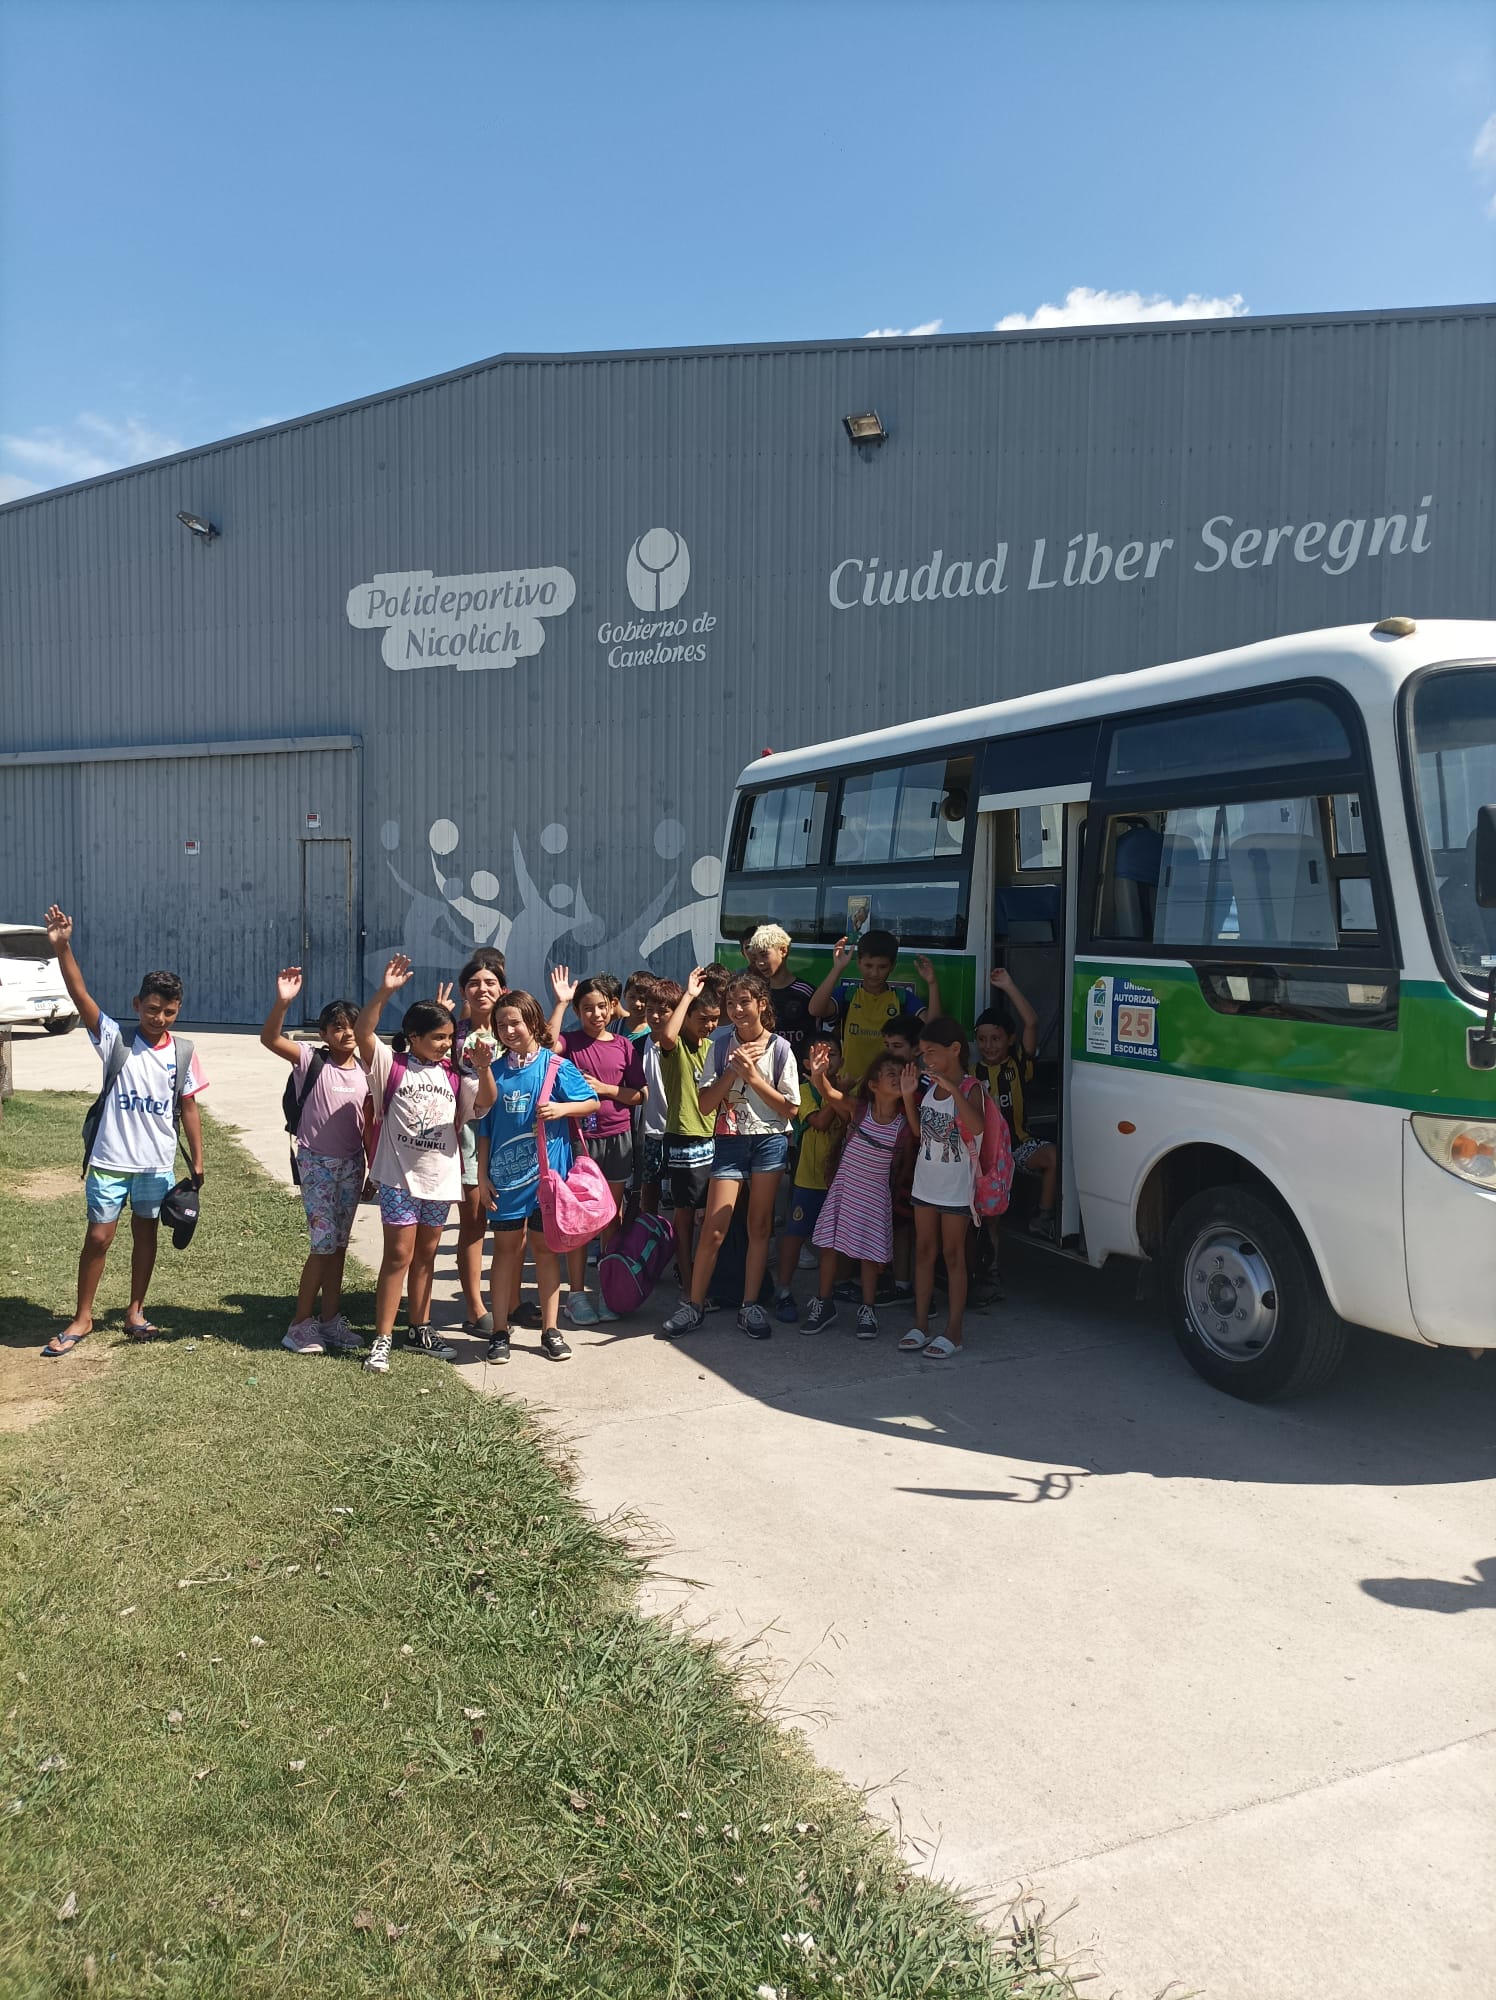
x=1419, y=1066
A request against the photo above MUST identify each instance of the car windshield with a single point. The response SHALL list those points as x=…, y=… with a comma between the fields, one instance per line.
x=1454, y=749
x=26, y=944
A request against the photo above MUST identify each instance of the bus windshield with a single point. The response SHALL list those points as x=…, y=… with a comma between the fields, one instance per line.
x=1454, y=751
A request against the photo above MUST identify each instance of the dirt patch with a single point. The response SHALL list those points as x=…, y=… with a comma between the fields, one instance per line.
x=31, y=1389
x=46, y=1184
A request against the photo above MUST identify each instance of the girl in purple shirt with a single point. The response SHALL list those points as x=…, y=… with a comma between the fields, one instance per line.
x=615, y=1068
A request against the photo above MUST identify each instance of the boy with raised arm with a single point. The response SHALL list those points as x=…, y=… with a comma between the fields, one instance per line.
x=149, y=1097
x=865, y=1006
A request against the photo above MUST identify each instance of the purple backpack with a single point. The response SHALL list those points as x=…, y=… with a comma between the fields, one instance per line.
x=634, y=1262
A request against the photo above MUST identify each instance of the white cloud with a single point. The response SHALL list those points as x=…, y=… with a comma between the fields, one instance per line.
x=1086, y=307
x=1483, y=157
x=90, y=445
x=904, y=332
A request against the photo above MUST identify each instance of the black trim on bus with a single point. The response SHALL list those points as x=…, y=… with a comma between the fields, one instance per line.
x=1034, y=758
x=1423, y=867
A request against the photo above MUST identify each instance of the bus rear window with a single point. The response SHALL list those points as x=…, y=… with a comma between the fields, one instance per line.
x=1454, y=762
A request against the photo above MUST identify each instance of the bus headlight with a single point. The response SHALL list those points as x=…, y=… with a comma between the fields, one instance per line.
x=1463, y=1146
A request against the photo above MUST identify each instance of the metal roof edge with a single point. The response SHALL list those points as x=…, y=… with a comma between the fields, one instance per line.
x=865, y=343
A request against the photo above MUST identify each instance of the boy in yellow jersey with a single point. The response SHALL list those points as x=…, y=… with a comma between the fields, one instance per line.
x=812, y=1170
x=865, y=1006
x=1006, y=1060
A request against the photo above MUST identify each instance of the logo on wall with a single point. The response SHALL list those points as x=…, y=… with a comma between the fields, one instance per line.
x=657, y=573
x=659, y=568
x=491, y=619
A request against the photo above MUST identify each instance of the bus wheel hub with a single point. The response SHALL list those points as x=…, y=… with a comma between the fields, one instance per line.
x=1229, y=1294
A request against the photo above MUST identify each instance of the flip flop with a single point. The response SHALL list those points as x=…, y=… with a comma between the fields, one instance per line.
x=140, y=1329
x=62, y=1343
x=913, y=1341
x=940, y=1349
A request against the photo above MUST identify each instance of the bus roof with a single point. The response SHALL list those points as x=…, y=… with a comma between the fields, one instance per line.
x=1371, y=665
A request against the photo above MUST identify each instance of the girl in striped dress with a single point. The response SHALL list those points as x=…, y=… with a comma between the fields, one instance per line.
x=857, y=1218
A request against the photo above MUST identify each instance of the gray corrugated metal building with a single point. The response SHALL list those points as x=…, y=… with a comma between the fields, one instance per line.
x=480, y=658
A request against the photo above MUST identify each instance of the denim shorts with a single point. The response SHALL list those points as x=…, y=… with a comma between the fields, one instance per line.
x=740, y=1155
x=105, y=1193
x=399, y=1209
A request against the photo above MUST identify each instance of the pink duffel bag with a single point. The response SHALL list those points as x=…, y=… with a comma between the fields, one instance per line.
x=578, y=1206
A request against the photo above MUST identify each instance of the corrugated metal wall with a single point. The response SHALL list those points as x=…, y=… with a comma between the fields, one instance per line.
x=570, y=808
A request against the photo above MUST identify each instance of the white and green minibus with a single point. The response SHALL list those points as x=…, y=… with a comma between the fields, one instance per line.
x=1241, y=893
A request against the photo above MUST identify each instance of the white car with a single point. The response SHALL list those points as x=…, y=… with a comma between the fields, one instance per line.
x=31, y=988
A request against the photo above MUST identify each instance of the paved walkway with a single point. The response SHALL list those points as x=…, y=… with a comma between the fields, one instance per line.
x=1220, y=1675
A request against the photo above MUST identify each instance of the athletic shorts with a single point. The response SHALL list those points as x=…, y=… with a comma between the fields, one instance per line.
x=688, y=1163
x=615, y=1156
x=1025, y=1150
x=399, y=1209
x=330, y=1189
x=510, y=1225
x=105, y=1193
x=805, y=1208
x=650, y=1160
x=741, y=1155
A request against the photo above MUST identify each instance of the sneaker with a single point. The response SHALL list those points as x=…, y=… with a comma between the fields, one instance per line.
x=378, y=1362
x=821, y=1314
x=529, y=1315
x=848, y=1290
x=903, y=1288
x=685, y=1319
x=580, y=1311
x=302, y=1337
x=785, y=1310
x=426, y=1340
x=755, y=1322
x=551, y=1343
x=810, y=1259
x=603, y=1310
x=867, y=1323
x=337, y=1332
x=1043, y=1224
x=480, y=1328
x=498, y=1348
x=885, y=1294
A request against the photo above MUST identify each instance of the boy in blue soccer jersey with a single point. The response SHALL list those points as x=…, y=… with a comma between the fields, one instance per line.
x=150, y=1089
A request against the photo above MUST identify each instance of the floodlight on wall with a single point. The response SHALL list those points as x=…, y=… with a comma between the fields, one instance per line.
x=865, y=428
x=195, y=525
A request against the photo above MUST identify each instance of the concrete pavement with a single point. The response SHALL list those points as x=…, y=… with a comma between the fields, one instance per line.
x=1220, y=1675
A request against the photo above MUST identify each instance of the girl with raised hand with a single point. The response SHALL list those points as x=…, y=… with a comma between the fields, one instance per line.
x=614, y=1067
x=750, y=1083
x=332, y=1103
x=509, y=1163
x=948, y=1114
x=480, y=983
x=422, y=1102
x=856, y=1218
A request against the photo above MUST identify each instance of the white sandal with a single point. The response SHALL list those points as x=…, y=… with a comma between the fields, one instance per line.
x=913, y=1341
x=940, y=1349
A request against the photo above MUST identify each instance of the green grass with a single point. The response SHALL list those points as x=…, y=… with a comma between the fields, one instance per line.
x=382, y=1718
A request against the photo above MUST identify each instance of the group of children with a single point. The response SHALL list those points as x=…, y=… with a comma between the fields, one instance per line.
x=868, y=1088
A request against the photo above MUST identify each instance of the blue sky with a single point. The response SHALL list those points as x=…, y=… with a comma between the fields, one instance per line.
x=213, y=217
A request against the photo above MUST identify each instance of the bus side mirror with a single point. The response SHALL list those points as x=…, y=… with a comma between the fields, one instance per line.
x=1485, y=857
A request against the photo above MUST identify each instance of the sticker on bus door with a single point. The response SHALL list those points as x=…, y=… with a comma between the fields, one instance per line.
x=1122, y=1020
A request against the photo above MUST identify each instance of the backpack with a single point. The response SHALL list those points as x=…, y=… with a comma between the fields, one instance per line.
x=400, y=1064
x=634, y=1262
x=119, y=1055
x=293, y=1103
x=993, y=1155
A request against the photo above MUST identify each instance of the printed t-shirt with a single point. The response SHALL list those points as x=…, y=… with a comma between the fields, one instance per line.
x=813, y=1168
x=681, y=1068
x=332, y=1117
x=137, y=1133
x=417, y=1147
x=655, y=1106
x=615, y=1061
x=509, y=1126
x=864, y=1016
x=743, y=1112
x=792, y=1016
x=943, y=1166
x=1005, y=1080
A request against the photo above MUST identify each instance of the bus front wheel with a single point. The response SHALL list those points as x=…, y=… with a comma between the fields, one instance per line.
x=1245, y=1300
